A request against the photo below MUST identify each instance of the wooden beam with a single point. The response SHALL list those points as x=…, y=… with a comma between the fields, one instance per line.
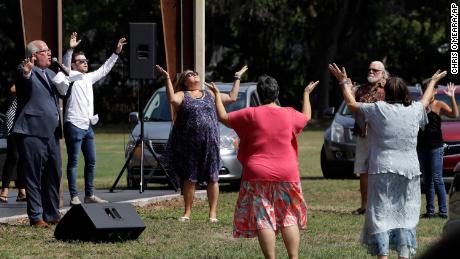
x=169, y=19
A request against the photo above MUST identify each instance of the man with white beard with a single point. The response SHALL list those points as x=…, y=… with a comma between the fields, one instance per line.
x=367, y=93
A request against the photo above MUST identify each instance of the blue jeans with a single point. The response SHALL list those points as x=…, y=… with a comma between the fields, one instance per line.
x=431, y=166
x=76, y=139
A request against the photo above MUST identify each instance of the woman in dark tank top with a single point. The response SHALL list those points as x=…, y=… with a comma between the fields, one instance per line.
x=430, y=151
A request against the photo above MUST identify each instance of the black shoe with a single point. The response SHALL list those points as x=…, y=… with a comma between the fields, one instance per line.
x=442, y=215
x=359, y=211
x=428, y=215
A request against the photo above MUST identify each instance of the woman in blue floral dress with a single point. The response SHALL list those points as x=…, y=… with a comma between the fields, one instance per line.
x=193, y=146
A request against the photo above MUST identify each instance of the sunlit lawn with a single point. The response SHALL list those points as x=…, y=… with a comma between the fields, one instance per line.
x=332, y=231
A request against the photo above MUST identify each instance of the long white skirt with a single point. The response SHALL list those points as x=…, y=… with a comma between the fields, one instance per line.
x=392, y=214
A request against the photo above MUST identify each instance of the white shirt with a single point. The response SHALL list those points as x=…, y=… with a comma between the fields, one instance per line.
x=80, y=104
x=392, y=137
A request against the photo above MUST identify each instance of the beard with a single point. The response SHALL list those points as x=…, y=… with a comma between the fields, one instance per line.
x=372, y=79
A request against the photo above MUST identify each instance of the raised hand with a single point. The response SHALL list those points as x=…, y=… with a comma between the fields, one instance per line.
x=27, y=65
x=241, y=71
x=73, y=43
x=213, y=87
x=310, y=87
x=337, y=73
x=450, y=91
x=438, y=75
x=120, y=44
x=162, y=71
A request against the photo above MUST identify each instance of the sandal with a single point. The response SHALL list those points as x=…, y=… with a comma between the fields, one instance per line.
x=3, y=199
x=184, y=219
x=213, y=220
x=21, y=198
x=359, y=211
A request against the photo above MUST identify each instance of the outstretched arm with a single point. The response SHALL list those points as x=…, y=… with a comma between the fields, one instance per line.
x=230, y=98
x=221, y=112
x=446, y=110
x=347, y=86
x=175, y=99
x=426, y=97
x=109, y=63
x=306, y=109
x=73, y=43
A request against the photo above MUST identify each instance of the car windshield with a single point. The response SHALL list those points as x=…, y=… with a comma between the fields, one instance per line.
x=414, y=92
x=443, y=97
x=158, y=108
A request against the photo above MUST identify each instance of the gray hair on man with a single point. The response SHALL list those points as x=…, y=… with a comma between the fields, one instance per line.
x=386, y=75
x=31, y=48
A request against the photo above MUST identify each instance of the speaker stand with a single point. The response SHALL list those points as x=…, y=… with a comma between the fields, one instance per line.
x=141, y=142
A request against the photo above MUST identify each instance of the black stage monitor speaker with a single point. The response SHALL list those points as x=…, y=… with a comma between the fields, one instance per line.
x=142, y=50
x=103, y=222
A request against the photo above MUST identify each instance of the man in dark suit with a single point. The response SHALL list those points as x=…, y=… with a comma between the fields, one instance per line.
x=38, y=128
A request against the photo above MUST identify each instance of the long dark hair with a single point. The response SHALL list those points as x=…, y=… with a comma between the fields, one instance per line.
x=396, y=91
x=180, y=82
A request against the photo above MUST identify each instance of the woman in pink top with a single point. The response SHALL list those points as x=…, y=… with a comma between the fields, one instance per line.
x=270, y=197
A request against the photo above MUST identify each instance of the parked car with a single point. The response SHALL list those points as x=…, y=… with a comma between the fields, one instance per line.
x=157, y=126
x=338, y=151
x=451, y=135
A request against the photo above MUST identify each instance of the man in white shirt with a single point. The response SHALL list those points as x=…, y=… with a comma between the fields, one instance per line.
x=79, y=116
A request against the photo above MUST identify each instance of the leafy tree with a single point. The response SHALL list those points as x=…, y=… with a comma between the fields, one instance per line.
x=292, y=41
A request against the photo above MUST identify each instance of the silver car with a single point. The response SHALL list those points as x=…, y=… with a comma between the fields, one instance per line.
x=338, y=151
x=157, y=126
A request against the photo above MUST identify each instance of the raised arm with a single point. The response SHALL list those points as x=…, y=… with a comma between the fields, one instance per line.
x=446, y=110
x=221, y=112
x=230, y=98
x=103, y=70
x=347, y=86
x=426, y=97
x=175, y=99
x=73, y=43
x=306, y=108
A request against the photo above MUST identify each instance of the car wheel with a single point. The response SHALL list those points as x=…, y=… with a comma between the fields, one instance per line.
x=329, y=171
x=332, y=170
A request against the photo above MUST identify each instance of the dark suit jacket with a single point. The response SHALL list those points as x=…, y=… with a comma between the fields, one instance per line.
x=38, y=104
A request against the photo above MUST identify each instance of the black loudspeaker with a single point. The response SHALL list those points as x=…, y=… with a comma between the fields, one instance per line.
x=103, y=222
x=142, y=50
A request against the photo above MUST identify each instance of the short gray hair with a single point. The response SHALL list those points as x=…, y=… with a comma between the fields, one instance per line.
x=31, y=48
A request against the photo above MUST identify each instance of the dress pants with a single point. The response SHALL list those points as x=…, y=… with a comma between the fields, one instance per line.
x=41, y=159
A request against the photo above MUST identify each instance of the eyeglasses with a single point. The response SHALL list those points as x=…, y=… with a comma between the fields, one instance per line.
x=373, y=70
x=47, y=51
x=82, y=61
x=189, y=74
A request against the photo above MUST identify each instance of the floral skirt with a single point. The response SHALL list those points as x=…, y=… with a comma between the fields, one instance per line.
x=268, y=205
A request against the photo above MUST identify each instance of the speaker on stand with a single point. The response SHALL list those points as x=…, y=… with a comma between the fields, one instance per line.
x=142, y=59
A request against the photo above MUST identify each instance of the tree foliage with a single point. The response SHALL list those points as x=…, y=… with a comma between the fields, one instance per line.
x=292, y=41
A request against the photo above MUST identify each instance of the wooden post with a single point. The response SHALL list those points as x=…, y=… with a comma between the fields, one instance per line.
x=199, y=39
x=169, y=19
x=42, y=20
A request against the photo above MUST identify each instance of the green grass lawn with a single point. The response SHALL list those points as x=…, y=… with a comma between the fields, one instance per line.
x=332, y=231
